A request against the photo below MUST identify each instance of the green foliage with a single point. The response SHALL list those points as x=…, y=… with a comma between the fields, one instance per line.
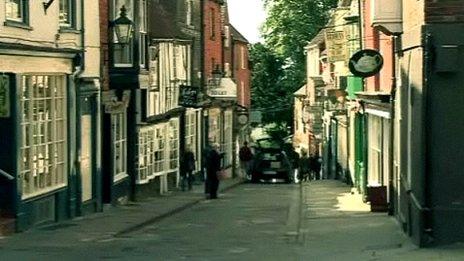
x=269, y=95
x=279, y=66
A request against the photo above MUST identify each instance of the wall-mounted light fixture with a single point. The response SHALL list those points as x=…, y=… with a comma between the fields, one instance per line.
x=123, y=27
x=46, y=4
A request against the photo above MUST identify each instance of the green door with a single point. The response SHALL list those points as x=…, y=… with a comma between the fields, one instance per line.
x=360, y=153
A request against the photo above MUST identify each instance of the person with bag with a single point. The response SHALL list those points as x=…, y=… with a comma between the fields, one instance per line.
x=246, y=156
x=213, y=166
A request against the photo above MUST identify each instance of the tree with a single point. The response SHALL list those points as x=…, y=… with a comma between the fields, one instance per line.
x=279, y=65
x=268, y=94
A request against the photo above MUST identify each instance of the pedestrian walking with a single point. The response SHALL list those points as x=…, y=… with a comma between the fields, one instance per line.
x=246, y=160
x=188, y=167
x=303, y=166
x=213, y=165
x=317, y=164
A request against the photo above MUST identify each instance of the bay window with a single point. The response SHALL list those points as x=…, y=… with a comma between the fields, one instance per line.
x=43, y=120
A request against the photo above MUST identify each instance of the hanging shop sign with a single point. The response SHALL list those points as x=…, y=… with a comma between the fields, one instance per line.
x=188, y=96
x=366, y=63
x=227, y=89
x=4, y=96
x=336, y=46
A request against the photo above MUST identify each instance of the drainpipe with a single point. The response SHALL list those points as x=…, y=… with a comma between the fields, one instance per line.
x=391, y=198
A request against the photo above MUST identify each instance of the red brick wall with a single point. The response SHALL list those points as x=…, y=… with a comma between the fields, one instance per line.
x=242, y=74
x=374, y=39
x=213, y=44
x=104, y=53
x=444, y=11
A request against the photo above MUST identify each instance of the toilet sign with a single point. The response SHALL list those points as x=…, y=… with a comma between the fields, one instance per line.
x=4, y=96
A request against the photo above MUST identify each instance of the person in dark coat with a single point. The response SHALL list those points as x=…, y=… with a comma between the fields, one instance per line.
x=317, y=166
x=188, y=166
x=213, y=165
x=303, y=167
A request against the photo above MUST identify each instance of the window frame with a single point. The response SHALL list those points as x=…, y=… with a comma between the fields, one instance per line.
x=24, y=11
x=43, y=132
x=72, y=15
x=120, y=139
x=117, y=47
x=143, y=23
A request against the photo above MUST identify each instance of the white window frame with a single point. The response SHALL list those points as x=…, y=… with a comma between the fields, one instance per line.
x=173, y=145
x=189, y=12
x=119, y=143
x=242, y=57
x=374, y=156
x=191, y=132
x=69, y=23
x=20, y=6
x=43, y=143
x=143, y=16
x=228, y=142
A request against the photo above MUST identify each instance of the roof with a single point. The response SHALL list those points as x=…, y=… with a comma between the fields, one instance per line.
x=318, y=39
x=236, y=35
x=301, y=91
x=162, y=20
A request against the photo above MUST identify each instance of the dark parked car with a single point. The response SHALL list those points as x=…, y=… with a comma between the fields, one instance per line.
x=271, y=162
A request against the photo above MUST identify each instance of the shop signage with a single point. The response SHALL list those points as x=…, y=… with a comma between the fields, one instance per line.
x=4, y=96
x=226, y=89
x=366, y=63
x=188, y=96
x=336, y=46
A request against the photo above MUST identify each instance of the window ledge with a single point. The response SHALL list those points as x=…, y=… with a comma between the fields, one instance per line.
x=17, y=24
x=69, y=30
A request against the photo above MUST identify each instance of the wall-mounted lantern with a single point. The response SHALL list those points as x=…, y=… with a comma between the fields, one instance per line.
x=123, y=27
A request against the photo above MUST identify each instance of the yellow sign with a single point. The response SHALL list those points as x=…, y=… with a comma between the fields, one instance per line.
x=336, y=46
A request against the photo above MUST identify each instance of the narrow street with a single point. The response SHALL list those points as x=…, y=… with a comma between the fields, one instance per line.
x=320, y=220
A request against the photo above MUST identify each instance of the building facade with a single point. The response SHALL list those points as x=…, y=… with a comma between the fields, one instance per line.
x=50, y=84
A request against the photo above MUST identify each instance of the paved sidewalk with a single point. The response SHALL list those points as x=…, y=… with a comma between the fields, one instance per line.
x=337, y=225
x=117, y=220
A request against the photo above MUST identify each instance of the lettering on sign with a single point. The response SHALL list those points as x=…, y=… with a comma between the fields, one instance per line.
x=336, y=46
x=188, y=96
x=4, y=96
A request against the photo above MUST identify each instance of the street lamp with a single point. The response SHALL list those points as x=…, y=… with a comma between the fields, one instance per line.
x=123, y=27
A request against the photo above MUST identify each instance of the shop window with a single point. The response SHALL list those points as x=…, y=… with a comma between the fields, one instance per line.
x=43, y=141
x=227, y=144
x=173, y=144
x=191, y=136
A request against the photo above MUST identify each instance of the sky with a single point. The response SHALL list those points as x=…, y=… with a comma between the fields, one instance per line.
x=247, y=16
